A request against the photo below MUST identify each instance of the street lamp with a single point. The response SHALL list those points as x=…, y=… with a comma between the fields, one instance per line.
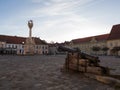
x=23, y=47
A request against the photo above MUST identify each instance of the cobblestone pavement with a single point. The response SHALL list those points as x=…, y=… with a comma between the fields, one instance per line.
x=111, y=62
x=42, y=73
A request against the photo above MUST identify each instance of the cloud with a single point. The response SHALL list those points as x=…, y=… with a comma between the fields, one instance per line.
x=54, y=20
x=60, y=7
x=67, y=28
x=60, y=20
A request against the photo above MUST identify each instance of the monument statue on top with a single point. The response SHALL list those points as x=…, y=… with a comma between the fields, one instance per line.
x=30, y=25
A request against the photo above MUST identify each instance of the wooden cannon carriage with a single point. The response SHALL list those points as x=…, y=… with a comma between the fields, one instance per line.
x=82, y=62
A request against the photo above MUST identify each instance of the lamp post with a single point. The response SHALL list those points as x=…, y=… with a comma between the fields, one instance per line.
x=23, y=48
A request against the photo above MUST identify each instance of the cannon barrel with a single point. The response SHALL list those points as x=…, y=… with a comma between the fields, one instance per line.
x=82, y=55
x=90, y=57
x=66, y=49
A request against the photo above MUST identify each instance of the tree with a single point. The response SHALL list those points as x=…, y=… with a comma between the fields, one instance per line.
x=96, y=48
x=52, y=42
x=116, y=49
x=105, y=49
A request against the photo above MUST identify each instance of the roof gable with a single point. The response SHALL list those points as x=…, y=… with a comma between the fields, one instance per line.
x=38, y=41
x=115, y=32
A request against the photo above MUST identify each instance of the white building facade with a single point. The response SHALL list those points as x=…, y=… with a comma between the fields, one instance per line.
x=15, y=45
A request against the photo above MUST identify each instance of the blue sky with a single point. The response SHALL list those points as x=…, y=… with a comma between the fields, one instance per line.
x=58, y=20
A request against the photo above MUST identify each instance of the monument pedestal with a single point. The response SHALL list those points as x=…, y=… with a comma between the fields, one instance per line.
x=29, y=47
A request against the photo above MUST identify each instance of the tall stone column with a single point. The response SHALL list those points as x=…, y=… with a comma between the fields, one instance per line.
x=30, y=25
x=30, y=43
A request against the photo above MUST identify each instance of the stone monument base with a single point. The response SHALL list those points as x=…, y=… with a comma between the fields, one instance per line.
x=29, y=47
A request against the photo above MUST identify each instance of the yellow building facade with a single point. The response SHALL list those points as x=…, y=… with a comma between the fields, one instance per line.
x=86, y=44
x=109, y=41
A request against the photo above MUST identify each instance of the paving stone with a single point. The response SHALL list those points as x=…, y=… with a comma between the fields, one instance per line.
x=42, y=73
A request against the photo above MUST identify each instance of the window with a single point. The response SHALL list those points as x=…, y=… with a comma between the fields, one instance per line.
x=36, y=47
x=39, y=47
x=9, y=46
x=16, y=46
x=46, y=47
x=12, y=46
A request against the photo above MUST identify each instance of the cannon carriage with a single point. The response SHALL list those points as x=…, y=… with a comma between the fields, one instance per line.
x=82, y=62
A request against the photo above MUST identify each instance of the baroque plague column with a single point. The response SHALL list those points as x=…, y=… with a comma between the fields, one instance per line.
x=29, y=47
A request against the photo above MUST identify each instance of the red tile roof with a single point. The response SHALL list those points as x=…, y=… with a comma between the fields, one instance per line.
x=19, y=40
x=102, y=37
x=38, y=41
x=115, y=32
x=12, y=39
x=81, y=40
x=88, y=39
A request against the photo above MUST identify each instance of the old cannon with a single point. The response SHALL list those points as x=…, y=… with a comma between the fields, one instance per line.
x=79, y=61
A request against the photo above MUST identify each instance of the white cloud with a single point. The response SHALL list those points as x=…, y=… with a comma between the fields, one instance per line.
x=67, y=28
x=61, y=7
